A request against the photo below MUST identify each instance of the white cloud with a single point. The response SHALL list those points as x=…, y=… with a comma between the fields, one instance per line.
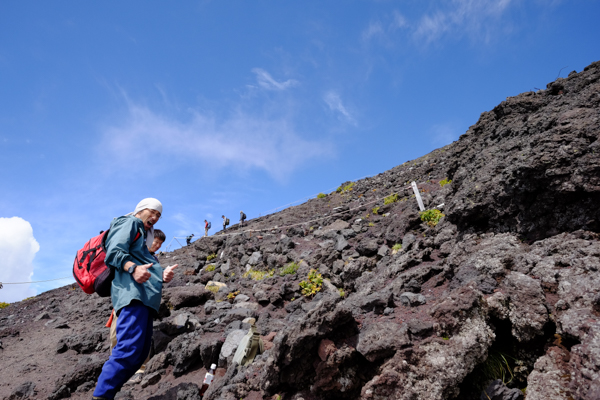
x=474, y=17
x=398, y=21
x=382, y=30
x=240, y=141
x=334, y=102
x=266, y=81
x=481, y=20
x=17, y=250
x=375, y=28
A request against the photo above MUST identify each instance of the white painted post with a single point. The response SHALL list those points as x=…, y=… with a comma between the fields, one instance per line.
x=417, y=195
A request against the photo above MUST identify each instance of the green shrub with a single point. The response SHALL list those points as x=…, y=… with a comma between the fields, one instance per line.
x=397, y=247
x=3, y=305
x=392, y=198
x=211, y=257
x=342, y=293
x=344, y=189
x=259, y=275
x=321, y=195
x=289, y=269
x=210, y=268
x=371, y=224
x=313, y=284
x=375, y=209
x=445, y=181
x=432, y=217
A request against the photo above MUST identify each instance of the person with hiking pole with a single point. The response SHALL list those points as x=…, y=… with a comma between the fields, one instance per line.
x=135, y=293
x=242, y=218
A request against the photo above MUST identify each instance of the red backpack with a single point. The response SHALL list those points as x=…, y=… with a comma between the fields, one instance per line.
x=89, y=269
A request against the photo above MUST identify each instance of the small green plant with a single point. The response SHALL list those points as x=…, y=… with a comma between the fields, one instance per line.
x=231, y=295
x=289, y=269
x=446, y=337
x=292, y=299
x=432, y=217
x=497, y=366
x=342, y=293
x=392, y=198
x=210, y=268
x=397, y=247
x=211, y=257
x=344, y=189
x=259, y=275
x=321, y=196
x=212, y=288
x=371, y=224
x=375, y=209
x=3, y=305
x=444, y=182
x=313, y=284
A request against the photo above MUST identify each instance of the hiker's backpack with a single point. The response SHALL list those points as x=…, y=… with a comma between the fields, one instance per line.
x=89, y=269
x=208, y=226
x=226, y=221
x=250, y=345
x=243, y=216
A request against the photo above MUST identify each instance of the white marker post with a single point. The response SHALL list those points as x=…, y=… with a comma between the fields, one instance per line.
x=417, y=195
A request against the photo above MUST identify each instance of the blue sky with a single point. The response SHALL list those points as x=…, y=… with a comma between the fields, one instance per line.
x=217, y=106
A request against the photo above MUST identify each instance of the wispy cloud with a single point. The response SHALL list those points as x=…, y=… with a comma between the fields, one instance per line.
x=333, y=100
x=383, y=28
x=375, y=28
x=266, y=81
x=478, y=19
x=475, y=17
x=241, y=141
x=18, y=248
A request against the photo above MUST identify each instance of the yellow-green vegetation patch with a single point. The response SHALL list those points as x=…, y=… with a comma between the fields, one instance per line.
x=375, y=210
x=321, y=195
x=392, y=198
x=432, y=217
x=313, y=284
x=210, y=268
x=289, y=269
x=211, y=257
x=444, y=182
x=371, y=224
x=344, y=189
x=231, y=295
x=3, y=305
x=397, y=247
x=212, y=288
x=341, y=292
x=259, y=275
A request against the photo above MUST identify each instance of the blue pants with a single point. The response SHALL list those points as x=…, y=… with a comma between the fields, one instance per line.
x=134, y=337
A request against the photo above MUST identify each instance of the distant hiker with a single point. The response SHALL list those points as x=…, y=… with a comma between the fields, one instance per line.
x=189, y=239
x=225, y=222
x=242, y=218
x=206, y=227
x=159, y=239
x=136, y=292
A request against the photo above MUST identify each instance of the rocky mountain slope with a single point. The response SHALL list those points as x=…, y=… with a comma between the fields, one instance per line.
x=505, y=286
